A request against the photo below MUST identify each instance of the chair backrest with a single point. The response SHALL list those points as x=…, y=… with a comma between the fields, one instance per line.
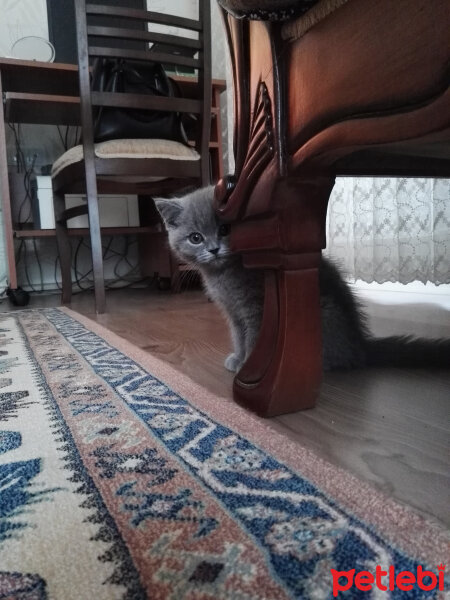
x=146, y=37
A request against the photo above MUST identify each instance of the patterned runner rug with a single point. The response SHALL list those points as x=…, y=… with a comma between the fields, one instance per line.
x=121, y=478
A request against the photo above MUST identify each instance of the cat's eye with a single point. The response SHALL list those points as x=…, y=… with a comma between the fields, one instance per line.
x=224, y=230
x=195, y=237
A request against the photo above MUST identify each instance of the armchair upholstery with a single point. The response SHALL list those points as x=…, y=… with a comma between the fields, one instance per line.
x=270, y=10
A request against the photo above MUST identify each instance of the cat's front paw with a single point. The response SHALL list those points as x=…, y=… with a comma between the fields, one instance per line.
x=233, y=363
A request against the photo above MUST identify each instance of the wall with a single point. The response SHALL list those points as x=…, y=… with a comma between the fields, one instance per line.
x=21, y=18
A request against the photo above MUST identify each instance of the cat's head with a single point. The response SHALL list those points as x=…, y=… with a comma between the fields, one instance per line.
x=195, y=233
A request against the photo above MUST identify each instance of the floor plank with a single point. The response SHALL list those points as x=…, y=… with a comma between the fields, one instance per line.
x=388, y=426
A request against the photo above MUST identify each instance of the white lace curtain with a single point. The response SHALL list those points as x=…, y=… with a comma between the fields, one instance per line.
x=384, y=229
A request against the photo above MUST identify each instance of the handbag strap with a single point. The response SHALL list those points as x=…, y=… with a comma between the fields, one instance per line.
x=122, y=66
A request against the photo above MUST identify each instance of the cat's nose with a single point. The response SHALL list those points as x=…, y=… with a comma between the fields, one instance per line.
x=214, y=251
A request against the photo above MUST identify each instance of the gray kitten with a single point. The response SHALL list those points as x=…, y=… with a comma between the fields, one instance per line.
x=198, y=237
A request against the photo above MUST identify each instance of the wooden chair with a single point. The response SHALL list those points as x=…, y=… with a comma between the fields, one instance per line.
x=322, y=88
x=143, y=167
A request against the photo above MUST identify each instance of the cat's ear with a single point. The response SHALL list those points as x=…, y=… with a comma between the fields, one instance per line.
x=170, y=210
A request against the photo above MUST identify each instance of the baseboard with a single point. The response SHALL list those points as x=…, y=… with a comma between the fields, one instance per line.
x=415, y=292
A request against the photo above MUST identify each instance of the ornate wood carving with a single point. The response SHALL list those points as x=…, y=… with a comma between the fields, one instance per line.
x=254, y=135
x=260, y=151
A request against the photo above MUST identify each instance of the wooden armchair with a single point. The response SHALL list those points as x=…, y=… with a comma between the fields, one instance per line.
x=145, y=167
x=322, y=88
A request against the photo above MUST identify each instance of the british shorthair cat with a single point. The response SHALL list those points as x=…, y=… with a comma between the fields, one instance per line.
x=198, y=237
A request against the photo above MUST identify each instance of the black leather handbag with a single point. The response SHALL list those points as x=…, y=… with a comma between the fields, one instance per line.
x=119, y=75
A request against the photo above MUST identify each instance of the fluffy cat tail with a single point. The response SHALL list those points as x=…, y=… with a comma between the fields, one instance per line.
x=407, y=351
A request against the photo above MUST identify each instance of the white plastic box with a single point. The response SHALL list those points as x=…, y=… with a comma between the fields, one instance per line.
x=115, y=211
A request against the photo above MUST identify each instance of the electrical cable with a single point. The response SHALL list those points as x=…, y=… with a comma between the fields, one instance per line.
x=65, y=140
x=22, y=167
x=121, y=282
x=39, y=264
x=26, y=267
x=19, y=251
x=123, y=257
x=61, y=138
x=25, y=264
x=75, y=267
x=20, y=158
x=27, y=186
x=77, y=139
x=58, y=285
x=112, y=252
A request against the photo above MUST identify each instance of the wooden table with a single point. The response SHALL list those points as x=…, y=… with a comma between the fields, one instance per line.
x=47, y=93
x=363, y=92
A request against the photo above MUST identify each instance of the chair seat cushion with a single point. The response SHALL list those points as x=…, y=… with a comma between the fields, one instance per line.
x=128, y=148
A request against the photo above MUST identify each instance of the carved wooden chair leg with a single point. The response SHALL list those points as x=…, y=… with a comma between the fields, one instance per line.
x=283, y=373
x=64, y=248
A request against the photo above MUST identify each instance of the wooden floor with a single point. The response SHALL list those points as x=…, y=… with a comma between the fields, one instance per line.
x=388, y=426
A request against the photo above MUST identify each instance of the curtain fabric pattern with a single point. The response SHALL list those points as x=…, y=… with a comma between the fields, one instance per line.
x=386, y=229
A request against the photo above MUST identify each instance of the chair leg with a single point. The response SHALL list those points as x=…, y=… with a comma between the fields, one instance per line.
x=94, y=230
x=283, y=373
x=97, y=254
x=64, y=248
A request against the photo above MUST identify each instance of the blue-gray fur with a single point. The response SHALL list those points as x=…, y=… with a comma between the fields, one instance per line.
x=347, y=342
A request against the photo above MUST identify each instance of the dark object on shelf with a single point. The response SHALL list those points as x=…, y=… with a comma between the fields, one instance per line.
x=62, y=29
x=124, y=76
x=18, y=297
